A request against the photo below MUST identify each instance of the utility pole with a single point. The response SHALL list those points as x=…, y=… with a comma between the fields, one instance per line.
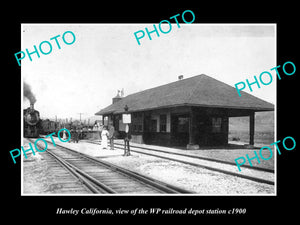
x=80, y=116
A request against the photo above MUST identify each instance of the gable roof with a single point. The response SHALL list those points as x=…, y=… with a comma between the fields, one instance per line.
x=200, y=90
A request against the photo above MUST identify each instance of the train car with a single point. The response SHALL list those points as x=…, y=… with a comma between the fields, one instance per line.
x=31, y=122
x=48, y=126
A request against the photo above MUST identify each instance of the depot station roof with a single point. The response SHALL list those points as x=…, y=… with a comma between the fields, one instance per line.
x=200, y=90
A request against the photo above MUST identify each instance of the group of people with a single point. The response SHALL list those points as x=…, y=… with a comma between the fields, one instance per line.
x=108, y=134
x=76, y=135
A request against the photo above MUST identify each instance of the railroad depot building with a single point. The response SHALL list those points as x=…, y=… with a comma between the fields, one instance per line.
x=191, y=112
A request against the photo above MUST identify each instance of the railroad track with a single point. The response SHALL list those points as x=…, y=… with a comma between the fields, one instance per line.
x=250, y=173
x=103, y=177
x=59, y=179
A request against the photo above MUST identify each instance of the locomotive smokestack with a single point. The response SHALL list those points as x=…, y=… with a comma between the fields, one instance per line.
x=31, y=106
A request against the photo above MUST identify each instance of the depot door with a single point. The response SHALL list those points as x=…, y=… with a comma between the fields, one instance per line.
x=180, y=129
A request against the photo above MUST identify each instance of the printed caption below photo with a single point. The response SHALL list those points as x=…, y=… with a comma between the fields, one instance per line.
x=150, y=211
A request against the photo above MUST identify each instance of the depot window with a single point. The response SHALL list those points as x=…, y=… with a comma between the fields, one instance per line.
x=163, y=123
x=137, y=122
x=216, y=124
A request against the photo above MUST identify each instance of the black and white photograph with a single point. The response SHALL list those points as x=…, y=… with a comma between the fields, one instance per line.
x=182, y=113
x=138, y=112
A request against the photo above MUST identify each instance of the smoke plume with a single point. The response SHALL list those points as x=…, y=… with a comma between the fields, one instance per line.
x=28, y=93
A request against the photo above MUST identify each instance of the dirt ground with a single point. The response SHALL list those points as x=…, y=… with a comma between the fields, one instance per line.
x=35, y=176
x=198, y=180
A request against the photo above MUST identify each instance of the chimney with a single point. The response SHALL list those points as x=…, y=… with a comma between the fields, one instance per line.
x=117, y=98
x=31, y=106
x=180, y=77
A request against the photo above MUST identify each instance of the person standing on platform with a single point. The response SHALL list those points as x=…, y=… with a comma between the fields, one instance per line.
x=72, y=135
x=76, y=136
x=104, y=136
x=111, y=136
x=64, y=134
x=127, y=140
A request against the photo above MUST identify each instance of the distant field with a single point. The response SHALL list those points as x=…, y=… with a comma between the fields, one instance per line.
x=261, y=138
x=264, y=128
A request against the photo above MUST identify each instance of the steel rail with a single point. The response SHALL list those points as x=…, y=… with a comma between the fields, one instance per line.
x=168, y=188
x=86, y=179
x=256, y=179
x=159, y=185
x=82, y=176
x=260, y=180
x=194, y=156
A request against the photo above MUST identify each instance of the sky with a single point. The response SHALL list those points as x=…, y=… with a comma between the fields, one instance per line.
x=84, y=77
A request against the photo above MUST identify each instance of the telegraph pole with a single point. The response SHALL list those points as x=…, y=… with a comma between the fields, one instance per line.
x=80, y=116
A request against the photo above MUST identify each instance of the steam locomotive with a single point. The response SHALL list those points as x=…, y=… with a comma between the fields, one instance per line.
x=31, y=122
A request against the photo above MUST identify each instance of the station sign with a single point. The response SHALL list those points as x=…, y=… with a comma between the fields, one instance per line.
x=126, y=118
